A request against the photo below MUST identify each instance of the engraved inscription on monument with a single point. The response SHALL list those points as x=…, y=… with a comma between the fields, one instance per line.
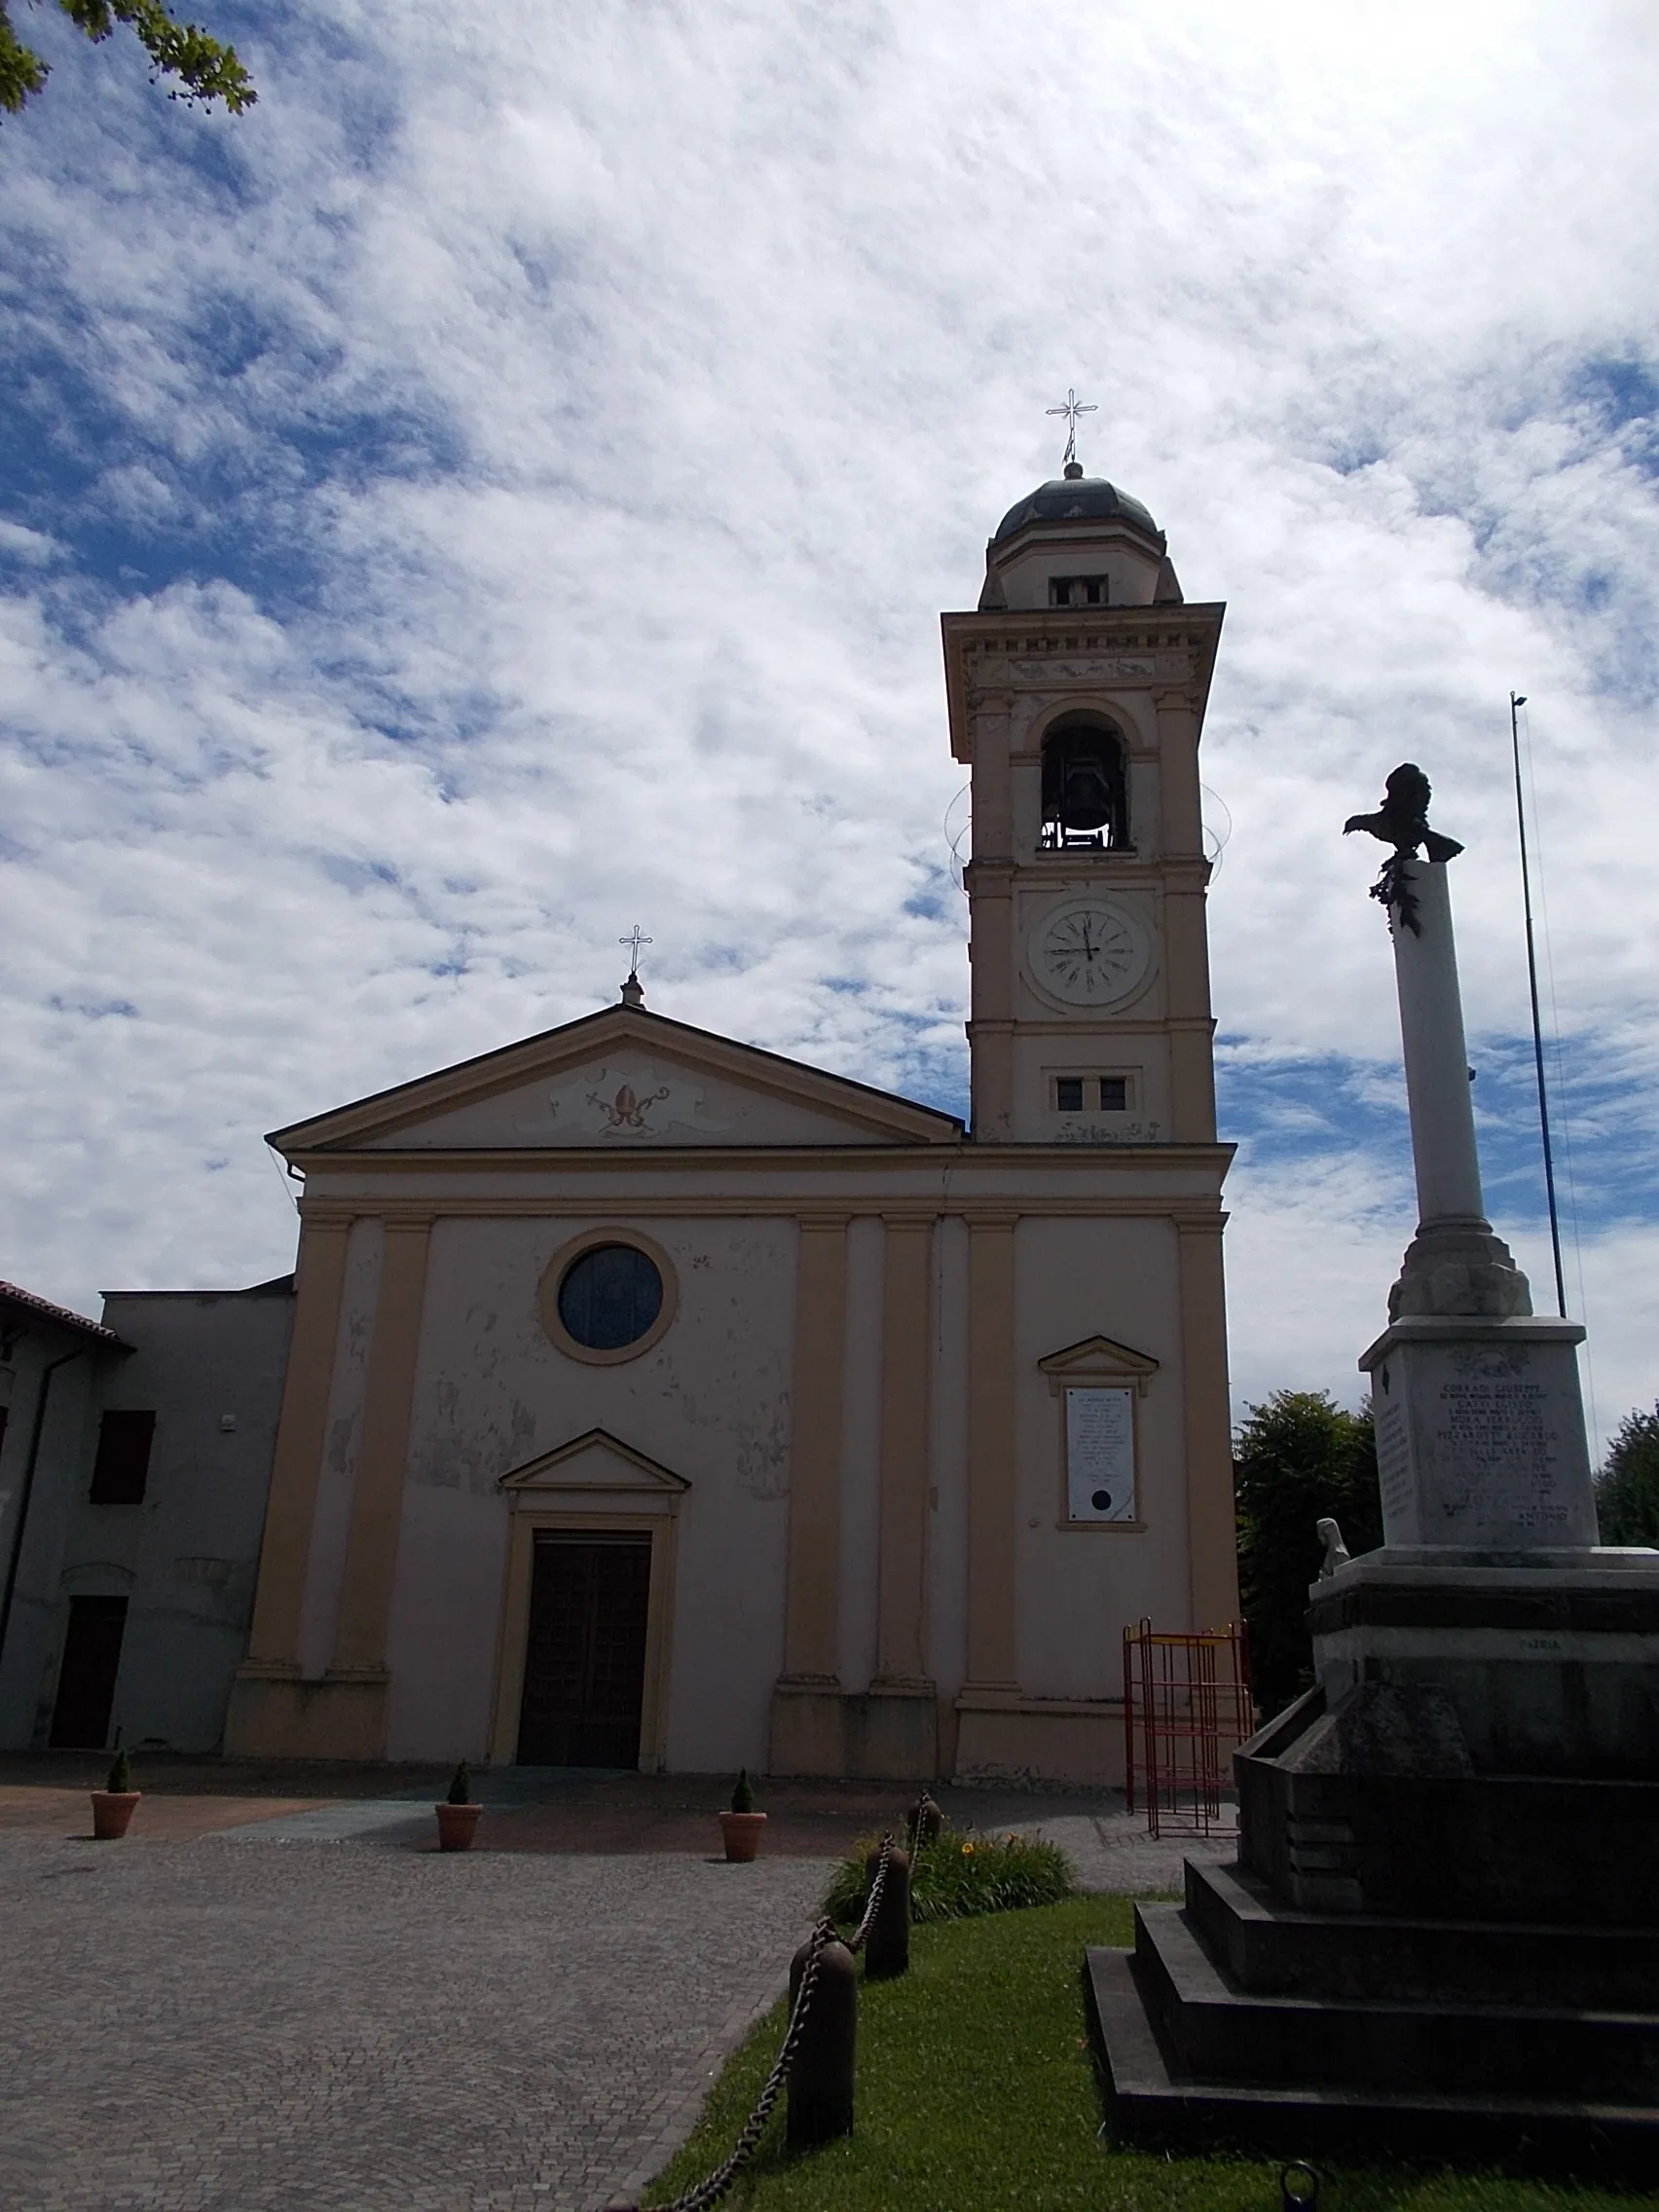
x=1100, y=1454
x=1480, y=1444
x=1394, y=1466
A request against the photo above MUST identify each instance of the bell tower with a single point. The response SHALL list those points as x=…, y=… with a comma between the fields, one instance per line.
x=1077, y=693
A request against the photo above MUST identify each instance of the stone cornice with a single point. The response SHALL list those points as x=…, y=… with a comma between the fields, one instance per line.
x=749, y=1160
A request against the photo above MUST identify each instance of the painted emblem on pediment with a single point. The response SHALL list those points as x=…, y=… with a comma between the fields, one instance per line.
x=622, y=1103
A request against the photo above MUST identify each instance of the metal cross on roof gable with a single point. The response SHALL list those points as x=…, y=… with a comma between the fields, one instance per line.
x=634, y=940
x=1073, y=408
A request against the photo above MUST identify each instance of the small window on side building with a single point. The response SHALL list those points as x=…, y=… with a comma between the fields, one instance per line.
x=1068, y=1093
x=122, y=1468
x=1114, y=1093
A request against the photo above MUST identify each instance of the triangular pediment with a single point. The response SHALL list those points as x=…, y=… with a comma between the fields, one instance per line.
x=620, y=1081
x=1099, y=1359
x=595, y=1460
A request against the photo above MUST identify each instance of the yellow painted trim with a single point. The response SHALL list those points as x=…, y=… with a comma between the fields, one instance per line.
x=1213, y=1541
x=302, y=1433
x=813, y=1588
x=905, y=1393
x=533, y=1511
x=553, y=1274
x=532, y=1206
x=992, y=1454
x=377, y=1504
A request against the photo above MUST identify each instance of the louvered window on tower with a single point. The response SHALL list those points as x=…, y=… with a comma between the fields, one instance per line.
x=122, y=1469
x=1077, y=591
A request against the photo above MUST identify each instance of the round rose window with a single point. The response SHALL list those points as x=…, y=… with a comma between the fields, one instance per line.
x=610, y=1295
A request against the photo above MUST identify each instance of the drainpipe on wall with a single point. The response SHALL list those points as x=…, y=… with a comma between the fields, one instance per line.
x=30, y=1465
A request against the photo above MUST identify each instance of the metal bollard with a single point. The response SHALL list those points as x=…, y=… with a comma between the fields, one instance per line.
x=887, y=1947
x=820, y=2077
x=924, y=1820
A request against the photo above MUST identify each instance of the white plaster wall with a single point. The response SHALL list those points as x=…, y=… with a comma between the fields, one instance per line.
x=947, y=1550
x=193, y=1545
x=28, y=1663
x=1075, y=1278
x=451, y=1568
x=331, y=1522
x=710, y=1400
x=860, y=1452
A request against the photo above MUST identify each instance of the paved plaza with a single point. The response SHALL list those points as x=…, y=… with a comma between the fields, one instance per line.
x=278, y=1998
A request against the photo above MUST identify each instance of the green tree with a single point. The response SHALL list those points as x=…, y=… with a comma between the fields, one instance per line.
x=202, y=68
x=1627, y=1490
x=1297, y=1459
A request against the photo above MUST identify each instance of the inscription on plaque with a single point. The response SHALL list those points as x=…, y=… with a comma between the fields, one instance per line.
x=1482, y=1444
x=1100, y=1454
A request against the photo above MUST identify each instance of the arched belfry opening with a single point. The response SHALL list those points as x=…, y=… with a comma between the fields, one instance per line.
x=1085, y=798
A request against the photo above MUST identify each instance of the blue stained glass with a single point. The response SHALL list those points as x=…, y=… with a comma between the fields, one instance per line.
x=609, y=1297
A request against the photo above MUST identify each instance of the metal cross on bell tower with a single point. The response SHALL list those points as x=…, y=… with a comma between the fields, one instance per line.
x=1073, y=408
x=633, y=992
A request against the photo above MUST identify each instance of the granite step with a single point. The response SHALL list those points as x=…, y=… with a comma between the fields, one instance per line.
x=1218, y=2031
x=1154, y=2103
x=1272, y=1949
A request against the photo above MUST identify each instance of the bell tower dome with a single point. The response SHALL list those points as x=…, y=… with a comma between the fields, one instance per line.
x=1077, y=694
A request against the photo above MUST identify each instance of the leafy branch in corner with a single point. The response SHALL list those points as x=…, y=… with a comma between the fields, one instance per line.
x=202, y=69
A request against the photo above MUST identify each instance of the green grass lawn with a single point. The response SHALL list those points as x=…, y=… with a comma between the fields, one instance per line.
x=977, y=2092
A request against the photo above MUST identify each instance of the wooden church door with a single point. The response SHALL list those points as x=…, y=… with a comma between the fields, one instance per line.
x=584, y=1672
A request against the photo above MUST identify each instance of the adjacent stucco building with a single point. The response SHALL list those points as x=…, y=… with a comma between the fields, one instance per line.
x=654, y=1398
x=134, y=1463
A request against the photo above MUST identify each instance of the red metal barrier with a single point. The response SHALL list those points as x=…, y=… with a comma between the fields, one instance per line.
x=1186, y=1705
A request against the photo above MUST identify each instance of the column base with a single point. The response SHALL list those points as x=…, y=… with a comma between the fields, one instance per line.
x=1005, y=1737
x=889, y=1733
x=277, y=1713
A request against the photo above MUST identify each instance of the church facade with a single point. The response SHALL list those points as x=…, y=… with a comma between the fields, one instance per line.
x=656, y=1400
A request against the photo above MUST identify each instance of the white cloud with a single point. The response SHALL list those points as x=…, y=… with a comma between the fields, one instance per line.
x=534, y=449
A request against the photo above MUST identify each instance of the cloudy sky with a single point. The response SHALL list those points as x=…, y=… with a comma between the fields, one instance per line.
x=503, y=488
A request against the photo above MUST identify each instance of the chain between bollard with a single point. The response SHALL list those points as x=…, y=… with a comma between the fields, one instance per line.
x=873, y=1903
x=709, y=2193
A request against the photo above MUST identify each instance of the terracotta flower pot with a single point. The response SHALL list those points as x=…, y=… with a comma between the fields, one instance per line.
x=742, y=1833
x=111, y=1813
x=456, y=1826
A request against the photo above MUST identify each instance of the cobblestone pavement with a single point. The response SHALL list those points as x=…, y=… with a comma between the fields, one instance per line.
x=226, y=2025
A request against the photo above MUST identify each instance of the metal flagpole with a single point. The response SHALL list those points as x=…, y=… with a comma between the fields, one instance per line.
x=1516, y=702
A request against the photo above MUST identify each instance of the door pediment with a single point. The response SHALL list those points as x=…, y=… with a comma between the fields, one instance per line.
x=594, y=1464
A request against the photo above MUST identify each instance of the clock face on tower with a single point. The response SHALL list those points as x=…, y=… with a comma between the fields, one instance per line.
x=1088, y=953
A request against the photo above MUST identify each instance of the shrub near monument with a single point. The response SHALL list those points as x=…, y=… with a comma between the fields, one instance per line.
x=1297, y=1459
x=1627, y=1490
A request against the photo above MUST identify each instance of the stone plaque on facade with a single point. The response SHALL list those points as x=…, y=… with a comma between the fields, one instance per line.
x=1100, y=1454
x=1480, y=1437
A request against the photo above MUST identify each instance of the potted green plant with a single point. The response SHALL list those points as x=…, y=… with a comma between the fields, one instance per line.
x=457, y=1814
x=742, y=1827
x=113, y=1804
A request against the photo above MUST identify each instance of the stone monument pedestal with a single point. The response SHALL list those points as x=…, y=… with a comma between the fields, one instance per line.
x=1441, y=1938
x=1442, y=1933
